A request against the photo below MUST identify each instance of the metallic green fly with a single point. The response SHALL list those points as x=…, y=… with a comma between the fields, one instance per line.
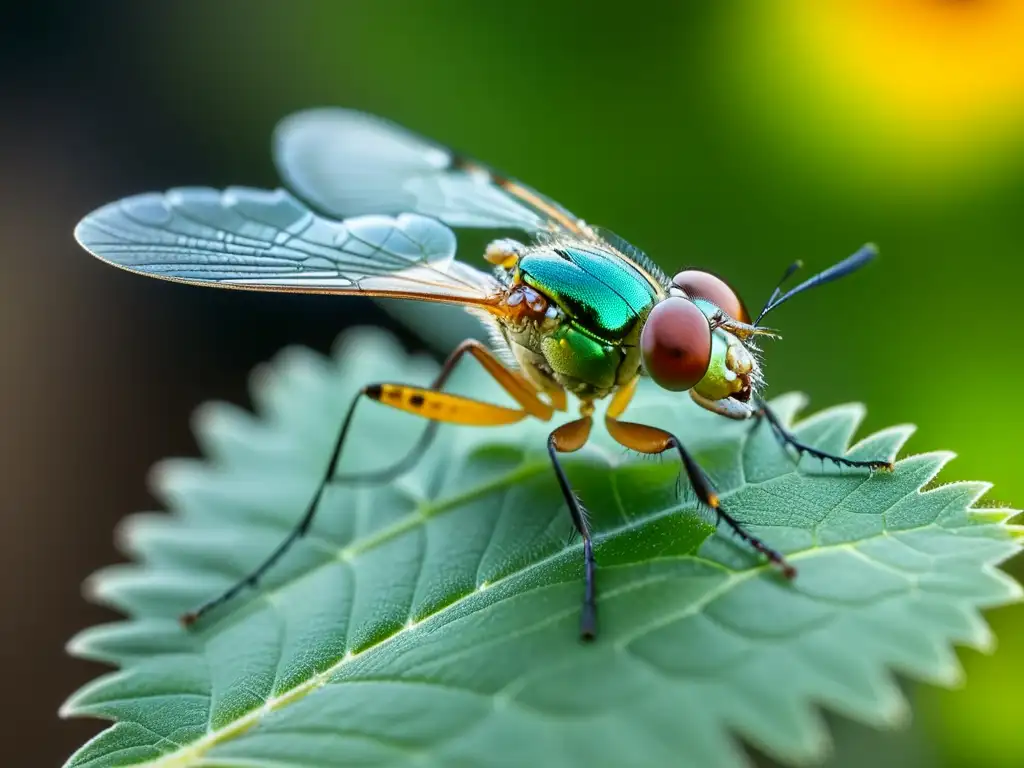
x=575, y=310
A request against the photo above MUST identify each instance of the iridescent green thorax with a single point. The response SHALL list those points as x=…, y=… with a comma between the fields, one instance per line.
x=601, y=292
x=603, y=299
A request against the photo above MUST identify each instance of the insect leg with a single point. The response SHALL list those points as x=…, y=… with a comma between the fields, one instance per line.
x=734, y=409
x=517, y=386
x=253, y=577
x=570, y=437
x=429, y=403
x=645, y=439
x=621, y=399
x=788, y=438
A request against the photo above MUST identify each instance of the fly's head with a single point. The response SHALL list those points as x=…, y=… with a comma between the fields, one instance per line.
x=697, y=339
x=700, y=338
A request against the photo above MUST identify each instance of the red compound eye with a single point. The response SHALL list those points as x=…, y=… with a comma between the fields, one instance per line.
x=676, y=344
x=703, y=285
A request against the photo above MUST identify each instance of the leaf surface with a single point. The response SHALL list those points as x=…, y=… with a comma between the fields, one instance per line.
x=433, y=621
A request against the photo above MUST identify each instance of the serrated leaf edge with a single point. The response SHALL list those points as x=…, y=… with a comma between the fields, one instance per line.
x=189, y=754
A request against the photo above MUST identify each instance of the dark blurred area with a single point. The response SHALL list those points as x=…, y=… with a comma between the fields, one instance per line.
x=734, y=136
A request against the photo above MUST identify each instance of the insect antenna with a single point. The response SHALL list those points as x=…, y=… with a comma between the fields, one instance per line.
x=843, y=268
x=778, y=286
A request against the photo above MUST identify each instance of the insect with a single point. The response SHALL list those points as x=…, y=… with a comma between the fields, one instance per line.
x=572, y=309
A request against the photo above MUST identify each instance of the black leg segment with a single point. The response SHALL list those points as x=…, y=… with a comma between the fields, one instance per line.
x=567, y=438
x=300, y=530
x=513, y=383
x=788, y=439
x=706, y=493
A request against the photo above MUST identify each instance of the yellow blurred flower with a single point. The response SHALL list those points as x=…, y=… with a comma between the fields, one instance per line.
x=929, y=88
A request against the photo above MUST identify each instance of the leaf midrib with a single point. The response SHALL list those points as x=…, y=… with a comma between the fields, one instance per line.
x=735, y=578
x=428, y=510
x=424, y=512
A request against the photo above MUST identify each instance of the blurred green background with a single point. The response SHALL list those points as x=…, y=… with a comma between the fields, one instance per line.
x=734, y=136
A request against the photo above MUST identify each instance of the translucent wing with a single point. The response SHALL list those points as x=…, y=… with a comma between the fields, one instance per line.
x=345, y=163
x=267, y=240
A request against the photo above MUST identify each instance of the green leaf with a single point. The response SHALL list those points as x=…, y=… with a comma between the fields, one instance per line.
x=433, y=621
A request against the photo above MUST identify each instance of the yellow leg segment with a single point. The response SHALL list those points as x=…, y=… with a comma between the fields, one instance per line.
x=572, y=435
x=558, y=398
x=621, y=399
x=441, y=406
x=638, y=437
x=518, y=386
x=429, y=403
x=455, y=409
